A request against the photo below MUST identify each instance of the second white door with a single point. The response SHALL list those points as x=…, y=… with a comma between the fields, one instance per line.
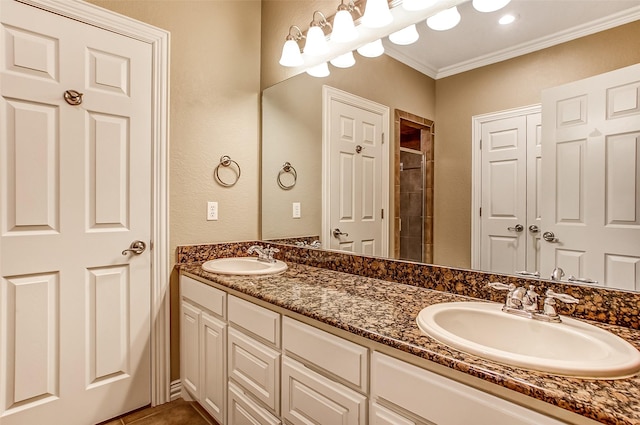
x=356, y=174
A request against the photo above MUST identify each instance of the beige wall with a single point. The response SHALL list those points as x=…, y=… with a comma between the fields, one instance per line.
x=215, y=111
x=513, y=83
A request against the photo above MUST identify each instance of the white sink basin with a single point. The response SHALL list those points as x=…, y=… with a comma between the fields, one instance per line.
x=243, y=266
x=572, y=348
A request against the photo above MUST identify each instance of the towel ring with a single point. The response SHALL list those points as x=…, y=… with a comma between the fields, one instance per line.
x=226, y=161
x=287, y=168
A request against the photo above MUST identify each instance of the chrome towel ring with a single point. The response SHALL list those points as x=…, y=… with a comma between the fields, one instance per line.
x=287, y=168
x=226, y=161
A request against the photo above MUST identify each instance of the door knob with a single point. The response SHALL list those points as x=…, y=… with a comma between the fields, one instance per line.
x=518, y=228
x=337, y=233
x=549, y=237
x=534, y=229
x=136, y=247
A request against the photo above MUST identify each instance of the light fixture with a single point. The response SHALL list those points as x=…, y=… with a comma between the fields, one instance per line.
x=291, y=55
x=444, y=20
x=344, y=61
x=321, y=70
x=344, y=29
x=316, y=44
x=507, y=19
x=489, y=5
x=413, y=5
x=376, y=14
x=405, y=36
x=372, y=50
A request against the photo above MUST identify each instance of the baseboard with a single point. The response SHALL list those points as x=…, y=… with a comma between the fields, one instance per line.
x=175, y=390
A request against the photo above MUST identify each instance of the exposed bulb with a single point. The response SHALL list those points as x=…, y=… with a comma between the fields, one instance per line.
x=444, y=20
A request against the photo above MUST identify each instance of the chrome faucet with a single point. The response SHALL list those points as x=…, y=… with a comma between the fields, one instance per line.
x=264, y=254
x=525, y=302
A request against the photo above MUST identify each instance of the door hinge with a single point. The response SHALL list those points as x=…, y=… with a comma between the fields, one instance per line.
x=382, y=213
x=480, y=211
x=383, y=138
x=480, y=144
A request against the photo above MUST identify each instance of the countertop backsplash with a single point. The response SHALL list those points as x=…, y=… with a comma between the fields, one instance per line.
x=615, y=307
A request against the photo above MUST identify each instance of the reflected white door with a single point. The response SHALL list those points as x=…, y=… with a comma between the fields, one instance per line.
x=356, y=174
x=75, y=191
x=504, y=195
x=591, y=178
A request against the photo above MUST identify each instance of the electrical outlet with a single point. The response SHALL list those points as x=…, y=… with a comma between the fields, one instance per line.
x=212, y=211
x=296, y=210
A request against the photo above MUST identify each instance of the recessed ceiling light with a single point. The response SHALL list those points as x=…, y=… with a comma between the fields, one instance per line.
x=507, y=19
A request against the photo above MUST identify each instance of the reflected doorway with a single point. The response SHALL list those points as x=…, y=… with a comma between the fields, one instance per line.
x=414, y=170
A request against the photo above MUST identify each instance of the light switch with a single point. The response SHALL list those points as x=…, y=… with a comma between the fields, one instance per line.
x=296, y=210
x=212, y=211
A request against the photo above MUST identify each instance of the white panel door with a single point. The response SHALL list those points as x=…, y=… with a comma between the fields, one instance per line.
x=591, y=179
x=358, y=176
x=75, y=190
x=504, y=195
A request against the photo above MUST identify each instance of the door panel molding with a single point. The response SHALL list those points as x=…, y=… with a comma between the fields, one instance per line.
x=158, y=40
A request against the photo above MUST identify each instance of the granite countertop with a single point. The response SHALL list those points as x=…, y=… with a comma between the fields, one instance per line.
x=385, y=312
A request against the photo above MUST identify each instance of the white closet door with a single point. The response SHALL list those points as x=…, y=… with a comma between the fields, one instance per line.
x=591, y=178
x=75, y=191
x=357, y=175
x=504, y=195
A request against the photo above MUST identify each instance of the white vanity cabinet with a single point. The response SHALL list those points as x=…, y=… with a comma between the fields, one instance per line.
x=203, y=332
x=253, y=365
x=424, y=397
x=316, y=384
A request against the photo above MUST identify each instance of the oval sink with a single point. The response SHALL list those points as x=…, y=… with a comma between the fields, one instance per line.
x=572, y=348
x=243, y=266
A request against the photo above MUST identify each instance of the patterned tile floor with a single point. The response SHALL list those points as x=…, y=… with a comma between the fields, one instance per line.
x=178, y=412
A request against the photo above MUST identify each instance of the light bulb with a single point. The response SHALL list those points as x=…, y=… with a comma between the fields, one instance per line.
x=344, y=61
x=291, y=54
x=413, y=5
x=405, y=36
x=489, y=5
x=343, y=28
x=372, y=50
x=376, y=14
x=444, y=20
x=321, y=70
x=316, y=44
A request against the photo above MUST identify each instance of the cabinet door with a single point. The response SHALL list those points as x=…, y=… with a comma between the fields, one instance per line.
x=190, y=349
x=212, y=365
x=382, y=416
x=311, y=399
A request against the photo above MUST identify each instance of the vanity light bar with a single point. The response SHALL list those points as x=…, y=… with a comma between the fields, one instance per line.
x=377, y=14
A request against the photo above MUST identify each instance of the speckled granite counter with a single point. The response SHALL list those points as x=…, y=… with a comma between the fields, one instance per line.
x=385, y=312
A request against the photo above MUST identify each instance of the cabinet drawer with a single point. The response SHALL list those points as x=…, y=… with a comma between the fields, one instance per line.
x=244, y=411
x=379, y=415
x=255, y=319
x=444, y=401
x=207, y=296
x=255, y=367
x=342, y=358
x=311, y=399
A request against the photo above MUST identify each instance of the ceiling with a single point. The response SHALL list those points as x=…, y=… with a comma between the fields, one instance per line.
x=479, y=40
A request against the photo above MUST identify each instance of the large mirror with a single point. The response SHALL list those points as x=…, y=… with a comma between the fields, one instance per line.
x=292, y=123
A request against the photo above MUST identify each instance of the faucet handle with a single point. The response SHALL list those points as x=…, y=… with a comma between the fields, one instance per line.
x=565, y=298
x=499, y=286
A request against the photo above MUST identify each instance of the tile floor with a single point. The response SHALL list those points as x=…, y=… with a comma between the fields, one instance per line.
x=178, y=412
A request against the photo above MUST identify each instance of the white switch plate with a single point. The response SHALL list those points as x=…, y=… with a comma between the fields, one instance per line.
x=296, y=210
x=212, y=211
